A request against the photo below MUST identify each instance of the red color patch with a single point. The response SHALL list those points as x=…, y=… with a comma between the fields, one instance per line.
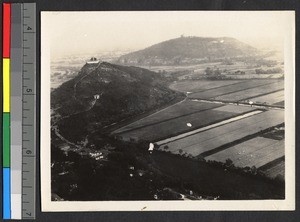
x=6, y=30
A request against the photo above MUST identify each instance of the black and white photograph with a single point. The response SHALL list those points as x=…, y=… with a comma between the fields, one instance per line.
x=167, y=110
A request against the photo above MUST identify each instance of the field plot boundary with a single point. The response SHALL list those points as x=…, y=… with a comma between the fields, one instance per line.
x=162, y=121
x=211, y=126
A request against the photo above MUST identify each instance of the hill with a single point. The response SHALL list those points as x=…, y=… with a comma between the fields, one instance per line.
x=104, y=93
x=188, y=50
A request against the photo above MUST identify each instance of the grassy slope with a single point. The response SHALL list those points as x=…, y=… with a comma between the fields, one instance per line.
x=209, y=180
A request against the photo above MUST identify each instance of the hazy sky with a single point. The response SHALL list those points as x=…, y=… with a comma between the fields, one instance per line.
x=89, y=32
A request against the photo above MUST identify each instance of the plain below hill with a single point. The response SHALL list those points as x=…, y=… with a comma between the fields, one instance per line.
x=189, y=50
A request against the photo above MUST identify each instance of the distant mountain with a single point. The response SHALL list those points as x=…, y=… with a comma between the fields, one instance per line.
x=104, y=93
x=185, y=50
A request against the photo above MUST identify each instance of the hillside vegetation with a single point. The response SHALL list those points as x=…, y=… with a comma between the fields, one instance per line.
x=104, y=93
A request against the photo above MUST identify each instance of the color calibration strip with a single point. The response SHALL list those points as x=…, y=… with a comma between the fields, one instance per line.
x=6, y=111
x=19, y=132
x=16, y=58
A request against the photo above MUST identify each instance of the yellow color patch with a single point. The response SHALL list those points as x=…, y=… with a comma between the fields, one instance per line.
x=6, y=85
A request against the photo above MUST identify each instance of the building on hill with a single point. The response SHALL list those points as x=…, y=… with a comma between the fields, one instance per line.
x=93, y=60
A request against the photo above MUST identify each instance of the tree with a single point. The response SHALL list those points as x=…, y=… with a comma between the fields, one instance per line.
x=217, y=72
x=228, y=162
x=208, y=71
x=253, y=170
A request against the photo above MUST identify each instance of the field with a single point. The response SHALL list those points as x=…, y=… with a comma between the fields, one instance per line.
x=255, y=152
x=213, y=138
x=183, y=108
x=239, y=88
x=145, y=130
x=272, y=98
x=200, y=85
x=253, y=92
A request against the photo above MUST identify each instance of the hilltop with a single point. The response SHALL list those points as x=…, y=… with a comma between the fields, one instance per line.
x=104, y=93
x=188, y=50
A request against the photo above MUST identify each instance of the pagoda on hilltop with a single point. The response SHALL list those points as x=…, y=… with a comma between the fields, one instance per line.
x=93, y=60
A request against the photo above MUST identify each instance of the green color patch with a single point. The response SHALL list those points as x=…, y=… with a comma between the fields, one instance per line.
x=6, y=139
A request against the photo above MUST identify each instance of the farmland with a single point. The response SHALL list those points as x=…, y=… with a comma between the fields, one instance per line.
x=153, y=131
x=173, y=120
x=203, y=142
x=206, y=124
x=272, y=98
x=237, y=88
x=254, y=152
x=200, y=85
x=183, y=108
x=253, y=92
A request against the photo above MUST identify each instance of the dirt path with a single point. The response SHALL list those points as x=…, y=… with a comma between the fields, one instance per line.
x=75, y=85
x=240, y=104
